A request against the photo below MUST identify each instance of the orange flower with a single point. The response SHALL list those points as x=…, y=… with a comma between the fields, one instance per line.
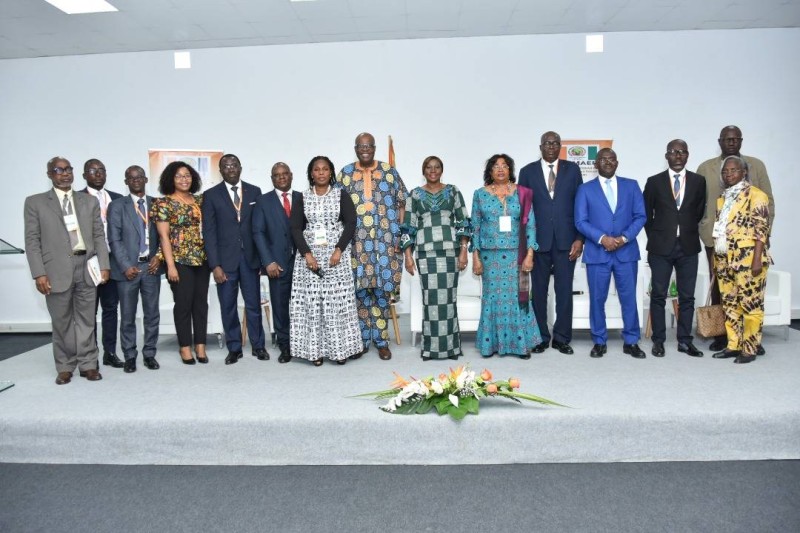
x=399, y=382
x=491, y=388
x=513, y=383
x=443, y=378
x=486, y=375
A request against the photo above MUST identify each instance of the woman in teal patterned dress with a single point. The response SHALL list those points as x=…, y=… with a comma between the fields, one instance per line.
x=503, y=242
x=436, y=225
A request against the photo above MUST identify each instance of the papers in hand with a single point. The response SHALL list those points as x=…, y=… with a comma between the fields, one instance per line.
x=93, y=265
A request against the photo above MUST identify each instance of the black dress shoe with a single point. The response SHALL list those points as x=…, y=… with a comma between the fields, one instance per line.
x=598, y=350
x=130, y=366
x=658, y=349
x=727, y=354
x=151, y=363
x=111, y=359
x=525, y=355
x=741, y=359
x=718, y=344
x=562, y=347
x=541, y=347
x=284, y=357
x=233, y=357
x=689, y=349
x=760, y=350
x=633, y=350
x=261, y=354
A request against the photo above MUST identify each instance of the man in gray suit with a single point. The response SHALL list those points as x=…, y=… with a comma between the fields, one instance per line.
x=135, y=267
x=63, y=231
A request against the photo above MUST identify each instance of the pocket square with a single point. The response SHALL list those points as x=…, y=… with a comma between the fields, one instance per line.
x=252, y=203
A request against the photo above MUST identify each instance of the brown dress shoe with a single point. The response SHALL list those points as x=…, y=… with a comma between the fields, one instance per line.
x=91, y=375
x=63, y=378
x=384, y=353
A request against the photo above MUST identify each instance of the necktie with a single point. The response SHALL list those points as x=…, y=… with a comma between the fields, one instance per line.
x=66, y=208
x=551, y=180
x=142, y=229
x=236, y=199
x=676, y=190
x=612, y=202
x=286, y=206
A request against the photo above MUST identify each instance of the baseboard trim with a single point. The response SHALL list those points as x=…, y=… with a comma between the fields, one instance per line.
x=26, y=327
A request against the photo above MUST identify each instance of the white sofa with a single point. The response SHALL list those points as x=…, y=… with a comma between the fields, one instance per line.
x=468, y=305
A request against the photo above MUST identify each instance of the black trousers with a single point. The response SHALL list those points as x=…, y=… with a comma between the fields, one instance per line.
x=661, y=267
x=108, y=298
x=190, y=311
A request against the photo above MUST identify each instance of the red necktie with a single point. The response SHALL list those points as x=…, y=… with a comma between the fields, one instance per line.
x=286, y=206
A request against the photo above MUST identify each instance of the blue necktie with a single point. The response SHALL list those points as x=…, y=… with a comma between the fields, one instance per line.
x=142, y=230
x=610, y=196
x=676, y=190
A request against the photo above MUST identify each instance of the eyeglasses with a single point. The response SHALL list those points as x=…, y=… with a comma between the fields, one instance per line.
x=137, y=177
x=731, y=171
x=94, y=171
x=183, y=176
x=607, y=159
x=230, y=165
x=732, y=139
x=677, y=152
x=499, y=167
x=364, y=146
x=62, y=170
x=282, y=175
x=551, y=143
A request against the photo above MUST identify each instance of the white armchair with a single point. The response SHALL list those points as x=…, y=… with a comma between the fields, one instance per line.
x=468, y=304
x=778, y=300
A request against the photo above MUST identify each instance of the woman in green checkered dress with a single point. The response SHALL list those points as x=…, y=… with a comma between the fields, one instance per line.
x=437, y=226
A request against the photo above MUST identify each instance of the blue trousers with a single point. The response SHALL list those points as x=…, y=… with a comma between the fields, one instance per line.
x=599, y=279
x=248, y=279
x=149, y=286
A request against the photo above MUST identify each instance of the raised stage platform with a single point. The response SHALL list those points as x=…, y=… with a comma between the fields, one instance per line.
x=262, y=413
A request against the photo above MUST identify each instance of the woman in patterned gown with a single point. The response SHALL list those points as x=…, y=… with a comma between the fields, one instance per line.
x=437, y=226
x=503, y=242
x=741, y=259
x=323, y=321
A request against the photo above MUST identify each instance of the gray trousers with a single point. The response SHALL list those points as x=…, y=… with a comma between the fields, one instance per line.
x=150, y=288
x=72, y=313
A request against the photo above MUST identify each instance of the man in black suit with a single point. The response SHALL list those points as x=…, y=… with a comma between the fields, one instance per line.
x=232, y=258
x=675, y=202
x=94, y=172
x=135, y=267
x=554, y=183
x=273, y=236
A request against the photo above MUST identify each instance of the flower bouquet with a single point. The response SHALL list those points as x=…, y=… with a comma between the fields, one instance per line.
x=456, y=394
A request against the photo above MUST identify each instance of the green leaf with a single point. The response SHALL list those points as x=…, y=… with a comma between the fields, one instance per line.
x=457, y=412
x=408, y=408
x=377, y=394
x=443, y=405
x=470, y=403
x=530, y=397
x=425, y=406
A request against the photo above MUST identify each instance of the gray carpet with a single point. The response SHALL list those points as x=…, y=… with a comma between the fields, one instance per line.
x=750, y=496
x=12, y=344
x=261, y=413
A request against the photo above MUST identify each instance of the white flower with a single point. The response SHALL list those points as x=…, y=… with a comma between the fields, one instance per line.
x=462, y=377
x=453, y=399
x=398, y=401
x=437, y=387
x=390, y=407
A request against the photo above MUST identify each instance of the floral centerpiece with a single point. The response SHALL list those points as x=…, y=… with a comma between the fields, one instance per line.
x=456, y=394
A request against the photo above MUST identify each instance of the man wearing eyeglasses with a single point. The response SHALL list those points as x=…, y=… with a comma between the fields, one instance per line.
x=94, y=172
x=63, y=231
x=675, y=202
x=554, y=183
x=730, y=143
x=379, y=196
x=233, y=258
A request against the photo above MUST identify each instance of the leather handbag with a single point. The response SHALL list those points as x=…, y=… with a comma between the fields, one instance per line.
x=710, y=318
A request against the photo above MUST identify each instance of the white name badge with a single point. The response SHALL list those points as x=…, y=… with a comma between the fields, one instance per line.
x=505, y=223
x=71, y=221
x=320, y=236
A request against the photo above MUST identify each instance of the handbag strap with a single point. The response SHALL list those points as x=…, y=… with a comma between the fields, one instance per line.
x=711, y=288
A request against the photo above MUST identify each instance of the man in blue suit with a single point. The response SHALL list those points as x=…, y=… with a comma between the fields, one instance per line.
x=609, y=212
x=554, y=183
x=232, y=258
x=273, y=236
x=135, y=267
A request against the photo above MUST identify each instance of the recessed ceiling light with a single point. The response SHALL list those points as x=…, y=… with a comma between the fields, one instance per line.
x=594, y=44
x=183, y=60
x=75, y=7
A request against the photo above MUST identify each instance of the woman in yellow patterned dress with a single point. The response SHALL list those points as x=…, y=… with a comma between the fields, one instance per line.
x=741, y=259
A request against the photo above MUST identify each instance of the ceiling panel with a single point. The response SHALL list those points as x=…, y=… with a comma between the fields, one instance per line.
x=32, y=28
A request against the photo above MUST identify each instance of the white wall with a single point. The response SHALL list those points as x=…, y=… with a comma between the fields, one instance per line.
x=462, y=99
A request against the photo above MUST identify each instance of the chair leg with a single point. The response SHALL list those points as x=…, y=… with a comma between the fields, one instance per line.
x=648, y=329
x=244, y=326
x=786, y=333
x=393, y=313
x=266, y=315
